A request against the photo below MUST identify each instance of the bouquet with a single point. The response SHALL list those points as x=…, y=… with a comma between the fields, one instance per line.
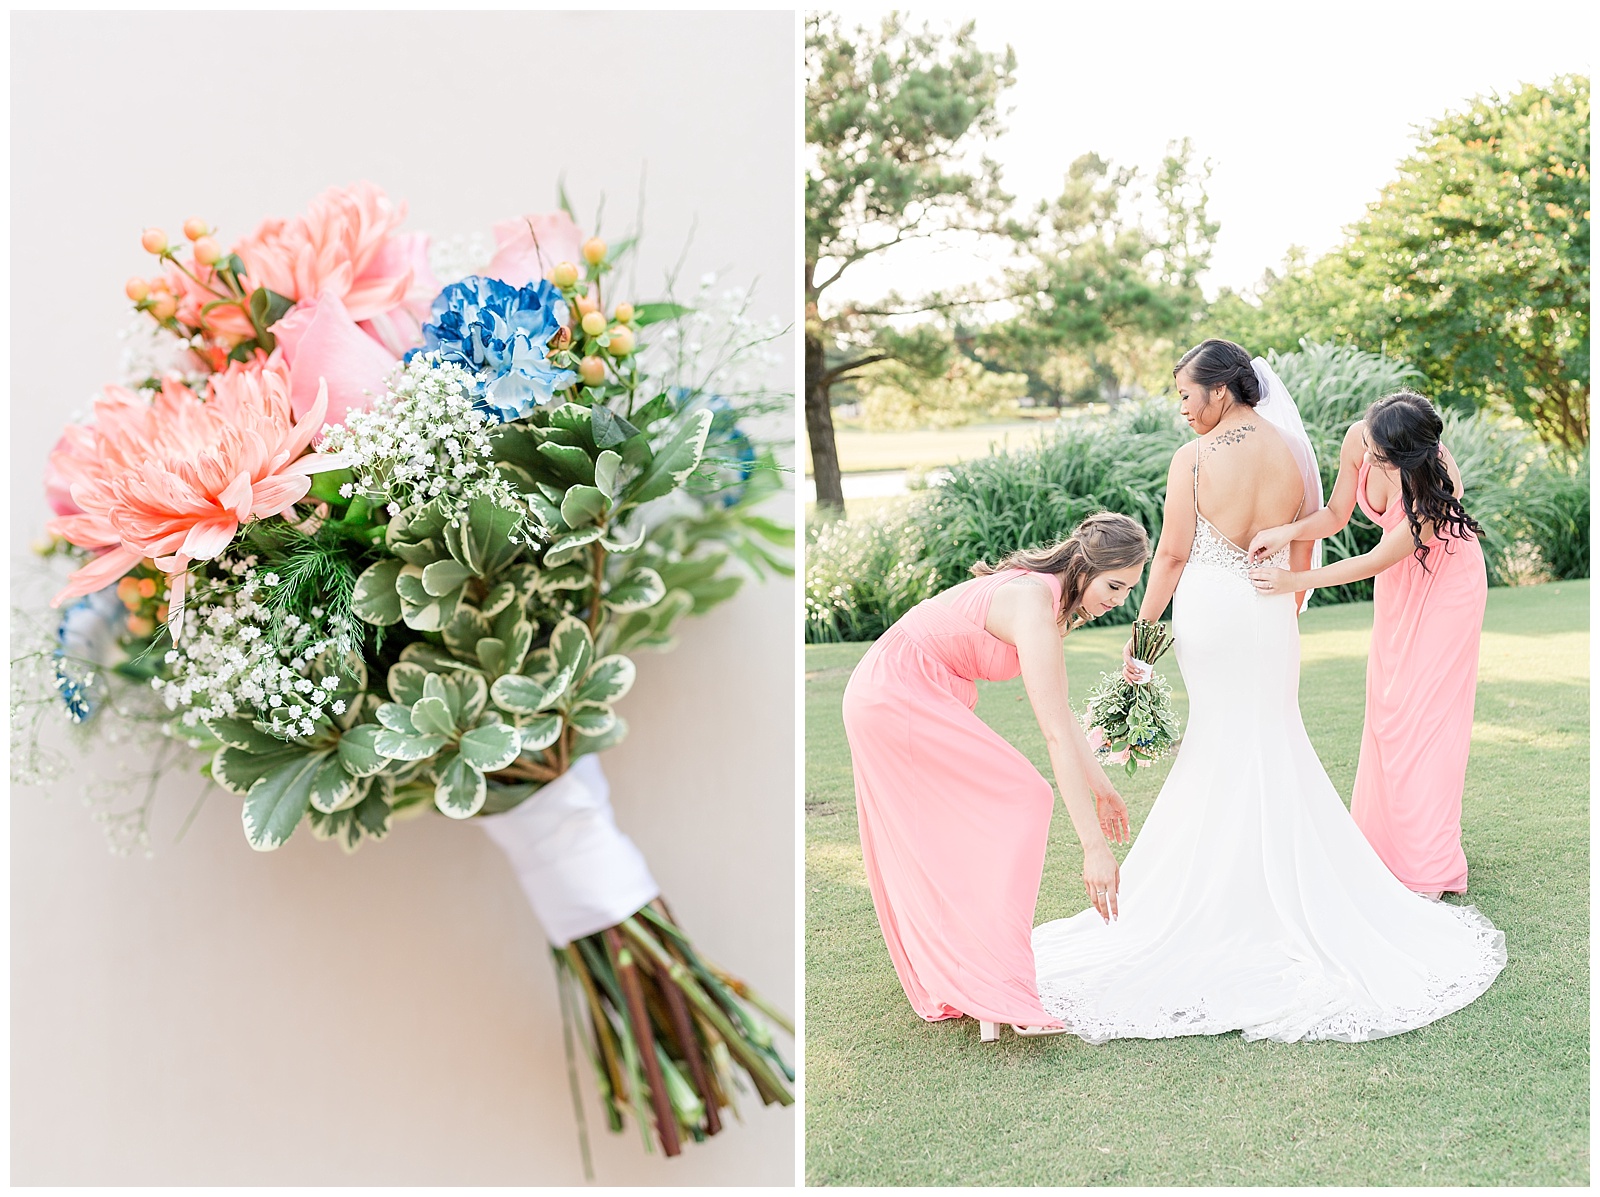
x=375, y=545
x=1133, y=724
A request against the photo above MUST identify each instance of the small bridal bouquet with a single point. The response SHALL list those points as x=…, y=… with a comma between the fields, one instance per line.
x=373, y=544
x=1134, y=724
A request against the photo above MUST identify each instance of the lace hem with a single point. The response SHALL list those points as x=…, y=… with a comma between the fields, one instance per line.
x=1321, y=1010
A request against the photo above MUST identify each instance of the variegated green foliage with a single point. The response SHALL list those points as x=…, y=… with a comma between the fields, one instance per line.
x=439, y=548
x=335, y=773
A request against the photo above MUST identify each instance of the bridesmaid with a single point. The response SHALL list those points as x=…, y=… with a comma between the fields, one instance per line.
x=1427, y=612
x=954, y=819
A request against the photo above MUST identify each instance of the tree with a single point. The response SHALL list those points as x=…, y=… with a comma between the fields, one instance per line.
x=1102, y=285
x=1473, y=263
x=890, y=116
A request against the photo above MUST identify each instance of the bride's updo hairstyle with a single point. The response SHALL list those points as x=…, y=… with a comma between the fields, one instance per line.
x=1218, y=363
x=1403, y=430
x=1106, y=540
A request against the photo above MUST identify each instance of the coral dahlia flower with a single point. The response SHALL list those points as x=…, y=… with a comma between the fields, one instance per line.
x=173, y=479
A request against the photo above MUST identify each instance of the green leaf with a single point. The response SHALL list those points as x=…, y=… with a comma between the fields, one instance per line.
x=609, y=680
x=430, y=657
x=375, y=600
x=608, y=739
x=492, y=655
x=442, y=577
x=358, y=750
x=571, y=646
x=609, y=428
x=419, y=609
x=654, y=313
x=236, y=733
x=405, y=682
x=566, y=548
x=491, y=747
x=591, y=718
x=237, y=769
x=572, y=465
x=325, y=486
x=617, y=541
x=584, y=505
x=446, y=690
x=331, y=786
x=501, y=595
x=402, y=747
x=474, y=692
x=674, y=461
x=522, y=695
x=605, y=473
x=487, y=533
x=459, y=788
x=640, y=589
x=540, y=731
x=268, y=307
x=432, y=716
x=276, y=803
x=397, y=717
x=462, y=633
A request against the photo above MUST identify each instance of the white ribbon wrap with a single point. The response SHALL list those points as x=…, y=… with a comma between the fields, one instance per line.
x=580, y=873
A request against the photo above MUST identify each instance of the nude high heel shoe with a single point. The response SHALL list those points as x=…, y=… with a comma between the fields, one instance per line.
x=989, y=1032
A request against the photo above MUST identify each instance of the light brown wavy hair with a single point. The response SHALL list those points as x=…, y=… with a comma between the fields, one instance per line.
x=1106, y=540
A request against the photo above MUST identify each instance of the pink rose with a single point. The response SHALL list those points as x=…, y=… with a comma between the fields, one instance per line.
x=1097, y=739
x=320, y=343
x=1120, y=758
x=400, y=328
x=528, y=248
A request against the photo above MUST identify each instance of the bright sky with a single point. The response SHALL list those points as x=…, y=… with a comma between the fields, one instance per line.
x=1304, y=111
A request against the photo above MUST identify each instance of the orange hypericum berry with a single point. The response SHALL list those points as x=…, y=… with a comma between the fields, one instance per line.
x=207, y=252
x=154, y=240
x=164, y=307
x=592, y=370
x=594, y=251
x=564, y=275
x=128, y=592
x=594, y=324
x=624, y=313
x=147, y=588
x=194, y=228
x=621, y=342
x=136, y=289
x=140, y=626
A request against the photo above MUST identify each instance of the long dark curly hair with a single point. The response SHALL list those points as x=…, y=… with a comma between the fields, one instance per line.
x=1403, y=431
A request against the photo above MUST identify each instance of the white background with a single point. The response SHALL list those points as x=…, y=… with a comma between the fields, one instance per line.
x=214, y=1015
x=1304, y=109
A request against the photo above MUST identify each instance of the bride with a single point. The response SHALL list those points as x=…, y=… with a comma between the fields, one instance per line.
x=1250, y=900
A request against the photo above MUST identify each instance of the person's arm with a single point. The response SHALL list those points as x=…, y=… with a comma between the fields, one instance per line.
x=1327, y=519
x=1177, y=535
x=1024, y=612
x=1299, y=560
x=1395, y=546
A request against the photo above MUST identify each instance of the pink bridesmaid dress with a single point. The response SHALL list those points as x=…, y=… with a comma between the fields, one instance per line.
x=954, y=819
x=1422, y=677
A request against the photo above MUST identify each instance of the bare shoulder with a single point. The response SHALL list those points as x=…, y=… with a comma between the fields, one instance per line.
x=1354, y=446
x=1183, y=459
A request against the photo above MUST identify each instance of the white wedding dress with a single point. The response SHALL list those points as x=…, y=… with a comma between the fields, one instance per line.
x=1251, y=901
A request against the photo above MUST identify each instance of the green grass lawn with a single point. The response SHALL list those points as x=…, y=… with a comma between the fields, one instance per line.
x=928, y=448
x=1497, y=1093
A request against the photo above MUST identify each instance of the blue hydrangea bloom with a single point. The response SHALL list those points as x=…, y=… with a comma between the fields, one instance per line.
x=502, y=334
x=87, y=642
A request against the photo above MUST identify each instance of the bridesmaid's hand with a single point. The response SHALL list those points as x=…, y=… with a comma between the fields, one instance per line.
x=1112, y=811
x=1100, y=878
x=1268, y=541
x=1272, y=581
